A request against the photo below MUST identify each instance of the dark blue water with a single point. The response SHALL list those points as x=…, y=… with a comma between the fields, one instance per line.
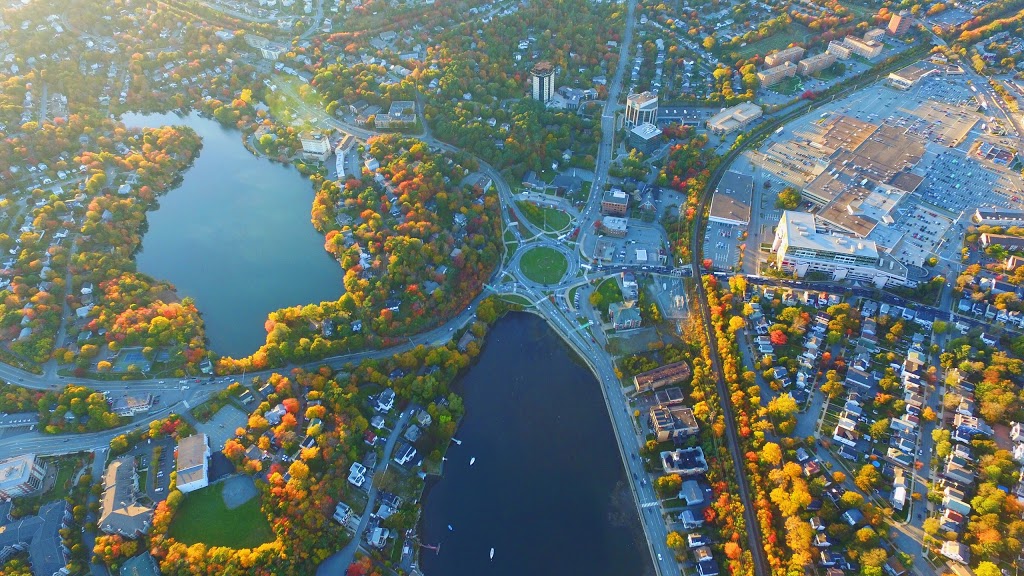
x=236, y=237
x=548, y=491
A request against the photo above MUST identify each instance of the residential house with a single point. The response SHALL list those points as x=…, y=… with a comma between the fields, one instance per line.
x=685, y=462
x=386, y=400
x=357, y=474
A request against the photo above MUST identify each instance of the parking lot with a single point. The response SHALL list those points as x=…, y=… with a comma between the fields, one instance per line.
x=721, y=245
x=222, y=425
x=922, y=230
x=643, y=245
x=158, y=473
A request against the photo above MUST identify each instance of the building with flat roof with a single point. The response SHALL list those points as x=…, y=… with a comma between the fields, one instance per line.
x=644, y=137
x=615, y=202
x=906, y=78
x=815, y=63
x=38, y=535
x=998, y=217
x=782, y=56
x=803, y=243
x=731, y=201
x=874, y=34
x=193, y=463
x=685, y=462
x=614, y=226
x=624, y=317
x=900, y=23
x=1011, y=243
x=641, y=108
x=869, y=49
x=734, y=118
x=315, y=145
x=21, y=476
x=839, y=50
x=662, y=376
x=774, y=75
x=120, y=510
x=542, y=76
x=673, y=422
x=130, y=405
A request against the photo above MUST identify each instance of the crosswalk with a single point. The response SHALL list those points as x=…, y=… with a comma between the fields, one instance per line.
x=650, y=504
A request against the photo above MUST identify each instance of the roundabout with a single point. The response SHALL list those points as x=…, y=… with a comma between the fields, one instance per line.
x=543, y=265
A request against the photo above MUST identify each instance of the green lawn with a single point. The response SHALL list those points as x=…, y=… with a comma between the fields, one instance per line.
x=789, y=86
x=202, y=517
x=609, y=291
x=543, y=265
x=547, y=219
x=795, y=33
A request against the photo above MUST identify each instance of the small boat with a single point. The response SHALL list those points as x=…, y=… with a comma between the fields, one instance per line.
x=457, y=441
x=492, y=553
x=472, y=461
x=450, y=529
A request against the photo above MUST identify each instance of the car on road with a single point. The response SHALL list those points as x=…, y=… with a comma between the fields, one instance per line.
x=659, y=556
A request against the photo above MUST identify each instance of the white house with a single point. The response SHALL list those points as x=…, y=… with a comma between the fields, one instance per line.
x=193, y=463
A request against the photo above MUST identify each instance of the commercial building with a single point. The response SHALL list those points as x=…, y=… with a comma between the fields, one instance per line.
x=21, y=476
x=645, y=137
x=131, y=405
x=839, y=50
x=900, y=23
x=543, y=77
x=734, y=118
x=120, y=510
x=998, y=217
x=193, y=463
x=615, y=202
x=685, y=462
x=815, y=63
x=38, y=535
x=341, y=152
x=1011, y=243
x=782, y=56
x=906, y=78
x=402, y=113
x=661, y=376
x=315, y=145
x=869, y=49
x=673, y=422
x=803, y=243
x=641, y=108
x=774, y=75
x=614, y=226
x=731, y=201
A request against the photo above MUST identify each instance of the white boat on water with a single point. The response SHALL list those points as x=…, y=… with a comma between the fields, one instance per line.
x=492, y=553
x=457, y=441
x=472, y=460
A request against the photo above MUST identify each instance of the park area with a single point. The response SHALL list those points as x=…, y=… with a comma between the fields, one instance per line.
x=543, y=265
x=547, y=219
x=225, y=514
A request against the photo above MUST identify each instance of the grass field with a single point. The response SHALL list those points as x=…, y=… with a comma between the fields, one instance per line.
x=610, y=293
x=203, y=517
x=796, y=33
x=547, y=219
x=543, y=265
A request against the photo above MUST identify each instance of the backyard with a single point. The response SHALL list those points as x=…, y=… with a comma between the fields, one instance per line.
x=203, y=517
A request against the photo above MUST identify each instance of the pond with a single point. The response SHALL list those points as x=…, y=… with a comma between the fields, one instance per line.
x=236, y=237
x=547, y=490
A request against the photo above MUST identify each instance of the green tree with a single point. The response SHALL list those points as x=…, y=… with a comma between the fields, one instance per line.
x=789, y=199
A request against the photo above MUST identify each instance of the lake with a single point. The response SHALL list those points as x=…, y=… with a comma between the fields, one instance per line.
x=236, y=237
x=548, y=490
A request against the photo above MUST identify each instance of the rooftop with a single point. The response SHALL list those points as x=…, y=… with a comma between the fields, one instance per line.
x=731, y=200
x=120, y=511
x=804, y=231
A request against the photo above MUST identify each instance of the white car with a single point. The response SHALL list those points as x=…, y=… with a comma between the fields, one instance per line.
x=184, y=387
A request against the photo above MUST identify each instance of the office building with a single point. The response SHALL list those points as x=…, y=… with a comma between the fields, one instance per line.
x=998, y=217
x=644, y=137
x=614, y=226
x=615, y=202
x=21, y=476
x=641, y=108
x=803, y=243
x=662, y=376
x=731, y=201
x=543, y=76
